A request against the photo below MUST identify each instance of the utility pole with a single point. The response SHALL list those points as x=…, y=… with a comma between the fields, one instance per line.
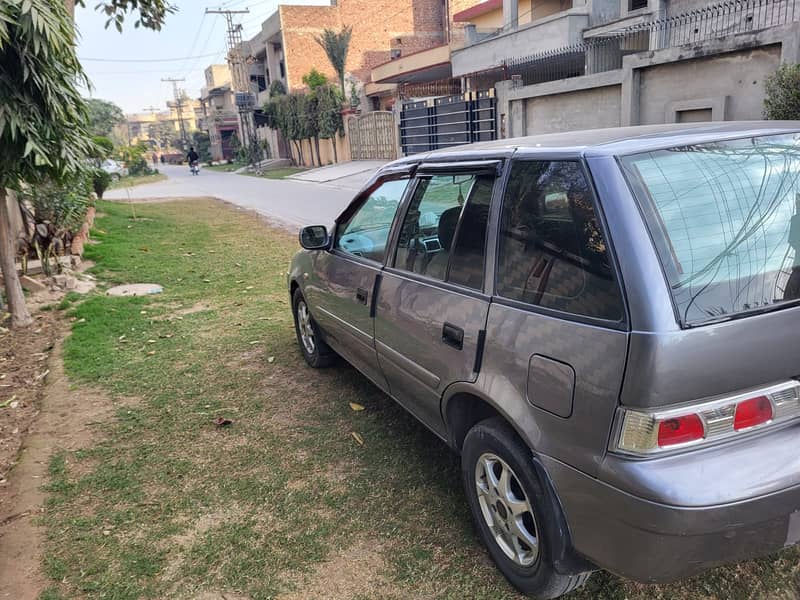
x=178, y=93
x=240, y=81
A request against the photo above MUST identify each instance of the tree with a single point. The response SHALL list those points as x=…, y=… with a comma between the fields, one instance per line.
x=336, y=46
x=42, y=115
x=329, y=115
x=163, y=132
x=314, y=79
x=43, y=119
x=151, y=12
x=276, y=88
x=104, y=147
x=103, y=116
x=312, y=124
x=782, y=101
x=202, y=145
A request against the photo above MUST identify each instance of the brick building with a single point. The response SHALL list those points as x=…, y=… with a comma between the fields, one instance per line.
x=382, y=30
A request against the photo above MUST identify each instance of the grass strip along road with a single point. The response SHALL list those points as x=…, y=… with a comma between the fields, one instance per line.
x=284, y=501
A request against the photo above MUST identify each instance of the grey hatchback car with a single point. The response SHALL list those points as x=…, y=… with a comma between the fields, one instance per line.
x=604, y=324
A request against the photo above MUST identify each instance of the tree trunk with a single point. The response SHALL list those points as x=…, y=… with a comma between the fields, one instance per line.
x=299, y=145
x=333, y=143
x=319, y=156
x=20, y=317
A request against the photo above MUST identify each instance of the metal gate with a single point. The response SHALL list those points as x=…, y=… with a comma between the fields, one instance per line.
x=447, y=121
x=372, y=136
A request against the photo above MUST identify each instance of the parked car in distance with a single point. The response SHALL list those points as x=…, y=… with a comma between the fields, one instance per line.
x=115, y=169
x=604, y=324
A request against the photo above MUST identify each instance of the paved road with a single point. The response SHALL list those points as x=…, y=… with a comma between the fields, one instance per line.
x=290, y=203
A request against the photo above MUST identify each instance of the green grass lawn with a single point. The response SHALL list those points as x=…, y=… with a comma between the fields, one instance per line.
x=280, y=173
x=130, y=181
x=284, y=500
x=225, y=167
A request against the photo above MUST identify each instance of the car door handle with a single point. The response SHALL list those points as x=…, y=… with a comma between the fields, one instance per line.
x=361, y=295
x=453, y=336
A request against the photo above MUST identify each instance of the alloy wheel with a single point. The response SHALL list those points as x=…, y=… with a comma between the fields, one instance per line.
x=305, y=326
x=506, y=510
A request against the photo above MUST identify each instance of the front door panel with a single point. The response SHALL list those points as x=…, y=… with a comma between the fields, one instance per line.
x=419, y=363
x=341, y=308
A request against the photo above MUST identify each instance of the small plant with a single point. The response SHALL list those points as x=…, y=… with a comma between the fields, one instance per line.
x=314, y=79
x=135, y=160
x=355, y=98
x=782, y=101
x=59, y=210
x=100, y=182
x=276, y=88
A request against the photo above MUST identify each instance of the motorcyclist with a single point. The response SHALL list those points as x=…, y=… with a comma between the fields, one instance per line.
x=193, y=156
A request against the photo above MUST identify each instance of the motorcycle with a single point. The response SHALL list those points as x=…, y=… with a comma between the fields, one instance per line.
x=195, y=168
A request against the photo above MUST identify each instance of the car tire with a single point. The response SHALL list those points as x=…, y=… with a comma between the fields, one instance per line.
x=115, y=177
x=316, y=352
x=511, y=506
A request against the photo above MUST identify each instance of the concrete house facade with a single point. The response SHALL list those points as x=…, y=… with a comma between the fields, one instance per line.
x=219, y=115
x=608, y=63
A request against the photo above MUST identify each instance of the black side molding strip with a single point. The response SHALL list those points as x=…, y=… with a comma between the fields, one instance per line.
x=374, y=300
x=479, y=351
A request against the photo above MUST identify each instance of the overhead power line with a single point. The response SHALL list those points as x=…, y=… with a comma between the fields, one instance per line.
x=145, y=60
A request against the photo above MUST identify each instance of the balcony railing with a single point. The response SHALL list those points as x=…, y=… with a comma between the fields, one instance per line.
x=605, y=54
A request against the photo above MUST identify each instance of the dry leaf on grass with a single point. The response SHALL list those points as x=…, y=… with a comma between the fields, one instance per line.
x=356, y=406
x=357, y=438
x=222, y=422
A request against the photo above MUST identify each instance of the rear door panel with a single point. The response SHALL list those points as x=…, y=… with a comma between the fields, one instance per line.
x=409, y=321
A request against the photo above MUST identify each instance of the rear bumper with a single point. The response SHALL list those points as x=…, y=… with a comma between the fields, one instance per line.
x=656, y=543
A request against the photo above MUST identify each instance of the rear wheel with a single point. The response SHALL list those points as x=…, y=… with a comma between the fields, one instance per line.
x=316, y=352
x=513, y=510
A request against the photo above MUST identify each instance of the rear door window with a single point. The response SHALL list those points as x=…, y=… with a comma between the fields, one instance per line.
x=443, y=234
x=552, y=252
x=725, y=217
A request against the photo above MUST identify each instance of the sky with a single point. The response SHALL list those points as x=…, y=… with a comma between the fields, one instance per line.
x=126, y=68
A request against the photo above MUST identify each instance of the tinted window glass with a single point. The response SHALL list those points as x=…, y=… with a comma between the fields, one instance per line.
x=431, y=226
x=467, y=260
x=552, y=252
x=364, y=232
x=726, y=220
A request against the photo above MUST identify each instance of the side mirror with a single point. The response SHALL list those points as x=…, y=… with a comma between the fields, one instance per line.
x=314, y=237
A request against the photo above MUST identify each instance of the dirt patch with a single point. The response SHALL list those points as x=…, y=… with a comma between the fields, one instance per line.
x=218, y=596
x=24, y=359
x=353, y=571
x=65, y=421
x=182, y=312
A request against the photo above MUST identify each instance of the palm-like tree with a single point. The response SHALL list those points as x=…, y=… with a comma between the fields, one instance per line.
x=336, y=46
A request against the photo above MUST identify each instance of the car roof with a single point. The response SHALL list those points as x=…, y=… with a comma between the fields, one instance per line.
x=615, y=141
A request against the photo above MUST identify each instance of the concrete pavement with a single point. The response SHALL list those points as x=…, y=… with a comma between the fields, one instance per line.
x=290, y=203
x=339, y=172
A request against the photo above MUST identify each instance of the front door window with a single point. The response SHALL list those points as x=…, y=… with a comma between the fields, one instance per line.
x=365, y=231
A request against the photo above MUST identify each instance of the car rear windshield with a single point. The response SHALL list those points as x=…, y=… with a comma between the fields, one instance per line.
x=725, y=218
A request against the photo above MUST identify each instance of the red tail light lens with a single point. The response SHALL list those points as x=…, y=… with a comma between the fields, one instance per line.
x=752, y=412
x=671, y=429
x=680, y=430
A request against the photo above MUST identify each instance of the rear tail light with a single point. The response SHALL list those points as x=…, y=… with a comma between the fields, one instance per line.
x=752, y=412
x=680, y=430
x=652, y=432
